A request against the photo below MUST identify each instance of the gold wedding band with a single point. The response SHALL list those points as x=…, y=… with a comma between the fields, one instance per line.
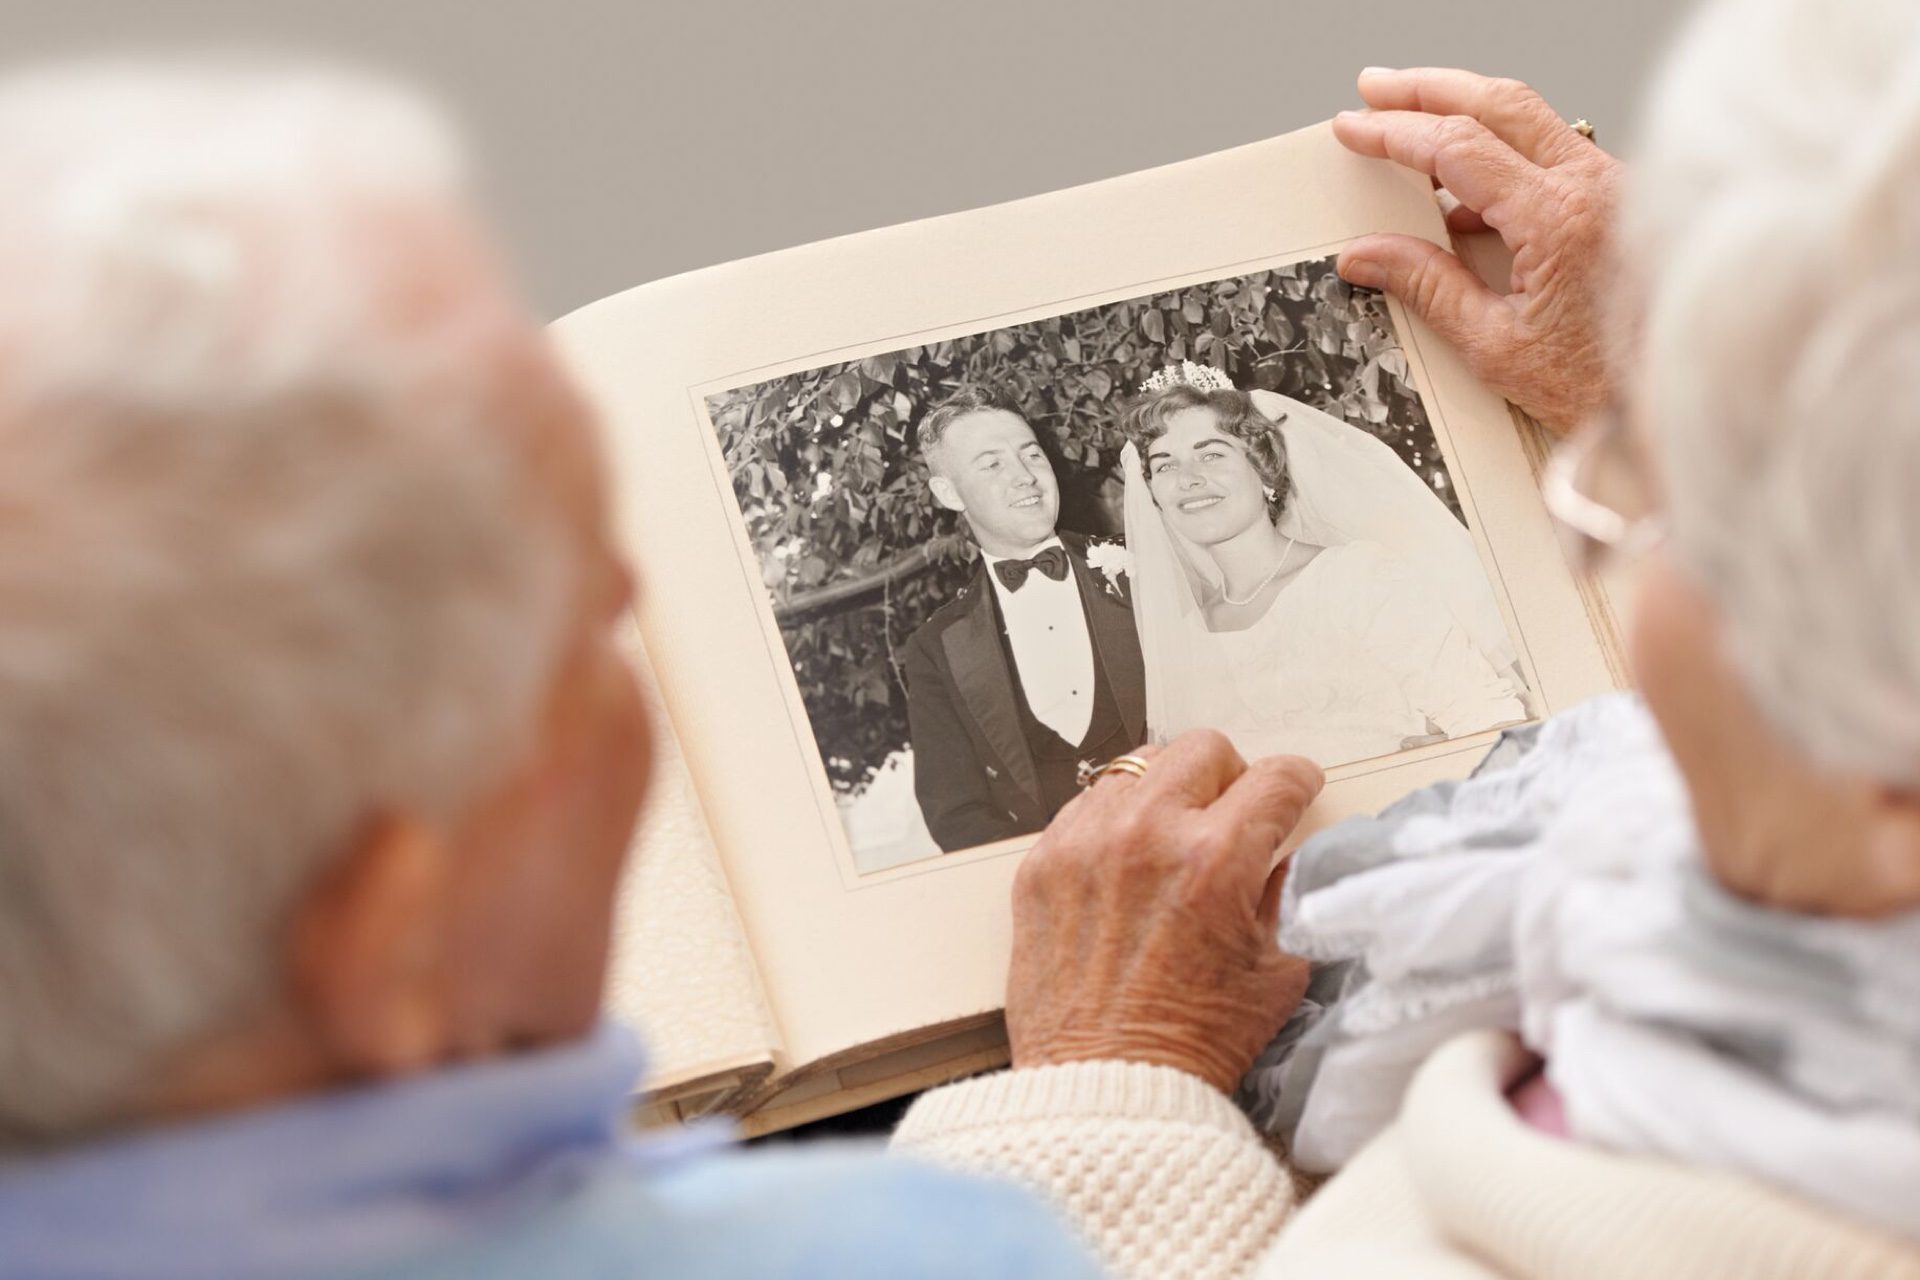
x=1131, y=765
x=1584, y=128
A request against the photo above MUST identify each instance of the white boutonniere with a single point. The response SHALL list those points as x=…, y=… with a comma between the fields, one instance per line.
x=1110, y=562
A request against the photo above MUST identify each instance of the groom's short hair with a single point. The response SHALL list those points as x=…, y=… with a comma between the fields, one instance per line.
x=969, y=397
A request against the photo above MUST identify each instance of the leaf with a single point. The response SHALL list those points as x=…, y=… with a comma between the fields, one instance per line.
x=1153, y=326
x=1072, y=348
x=1100, y=383
x=1370, y=380
x=845, y=390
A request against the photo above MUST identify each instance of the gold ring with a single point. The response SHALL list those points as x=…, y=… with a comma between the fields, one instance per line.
x=1133, y=766
x=1584, y=128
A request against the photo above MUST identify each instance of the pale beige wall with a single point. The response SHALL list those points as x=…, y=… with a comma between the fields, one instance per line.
x=730, y=127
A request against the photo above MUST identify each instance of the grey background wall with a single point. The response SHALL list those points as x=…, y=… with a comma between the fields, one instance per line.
x=627, y=141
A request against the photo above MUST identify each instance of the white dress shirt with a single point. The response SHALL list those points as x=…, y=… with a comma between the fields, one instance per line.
x=1052, y=649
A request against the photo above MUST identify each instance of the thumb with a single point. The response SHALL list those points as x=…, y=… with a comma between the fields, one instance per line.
x=1270, y=896
x=1434, y=285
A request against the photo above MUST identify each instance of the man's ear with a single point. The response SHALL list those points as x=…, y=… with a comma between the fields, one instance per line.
x=369, y=945
x=945, y=494
x=1893, y=848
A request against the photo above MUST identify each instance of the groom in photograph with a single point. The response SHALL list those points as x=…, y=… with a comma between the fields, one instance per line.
x=1035, y=666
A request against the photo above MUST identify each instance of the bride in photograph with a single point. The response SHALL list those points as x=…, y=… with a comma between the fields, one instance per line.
x=1296, y=585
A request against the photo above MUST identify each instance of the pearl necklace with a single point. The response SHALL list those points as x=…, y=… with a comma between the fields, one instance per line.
x=1264, y=582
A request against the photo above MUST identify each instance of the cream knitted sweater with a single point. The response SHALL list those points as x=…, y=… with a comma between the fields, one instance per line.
x=1167, y=1179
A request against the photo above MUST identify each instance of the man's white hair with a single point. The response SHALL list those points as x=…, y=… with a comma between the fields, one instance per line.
x=269, y=564
x=1774, y=227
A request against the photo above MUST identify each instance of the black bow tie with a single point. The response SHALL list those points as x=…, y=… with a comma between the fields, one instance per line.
x=1051, y=561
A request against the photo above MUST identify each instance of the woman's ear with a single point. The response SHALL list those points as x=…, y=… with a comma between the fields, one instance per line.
x=1893, y=850
x=369, y=944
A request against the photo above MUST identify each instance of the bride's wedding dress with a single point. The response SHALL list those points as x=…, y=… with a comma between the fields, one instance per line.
x=1354, y=658
x=1389, y=634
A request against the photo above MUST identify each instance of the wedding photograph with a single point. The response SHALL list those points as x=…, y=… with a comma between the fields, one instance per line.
x=1000, y=560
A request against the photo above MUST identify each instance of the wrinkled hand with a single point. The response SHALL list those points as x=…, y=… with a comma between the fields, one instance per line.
x=1515, y=166
x=1144, y=919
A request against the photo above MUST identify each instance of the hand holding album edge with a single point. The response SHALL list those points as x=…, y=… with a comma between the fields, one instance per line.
x=1503, y=158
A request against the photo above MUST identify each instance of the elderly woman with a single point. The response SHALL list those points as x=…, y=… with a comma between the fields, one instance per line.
x=1701, y=906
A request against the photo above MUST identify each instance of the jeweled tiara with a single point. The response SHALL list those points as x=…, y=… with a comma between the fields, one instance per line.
x=1187, y=374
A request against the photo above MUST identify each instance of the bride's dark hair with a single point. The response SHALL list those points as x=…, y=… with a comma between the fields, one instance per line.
x=1145, y=420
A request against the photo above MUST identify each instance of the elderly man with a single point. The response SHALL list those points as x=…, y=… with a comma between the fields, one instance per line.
x=317, y=757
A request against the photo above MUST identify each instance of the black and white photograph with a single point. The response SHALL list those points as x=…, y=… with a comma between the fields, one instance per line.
x=1000, y=560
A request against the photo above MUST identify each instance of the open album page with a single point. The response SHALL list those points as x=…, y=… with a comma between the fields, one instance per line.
x=682, y=969
x=930, y=519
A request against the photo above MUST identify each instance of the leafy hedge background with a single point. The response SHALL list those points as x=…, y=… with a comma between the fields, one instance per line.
x=856, y=554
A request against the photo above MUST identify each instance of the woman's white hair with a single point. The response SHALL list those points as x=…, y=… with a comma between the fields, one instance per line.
x=269, y=561
x=1774, y=228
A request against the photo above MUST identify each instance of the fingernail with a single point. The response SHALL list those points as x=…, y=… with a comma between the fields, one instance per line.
x=1376, y=71
x=1364, y=272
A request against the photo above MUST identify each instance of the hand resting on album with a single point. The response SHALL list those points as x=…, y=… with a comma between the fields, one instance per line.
x=1144, y=919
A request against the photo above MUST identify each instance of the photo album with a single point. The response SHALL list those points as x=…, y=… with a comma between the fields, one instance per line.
x=933, y=520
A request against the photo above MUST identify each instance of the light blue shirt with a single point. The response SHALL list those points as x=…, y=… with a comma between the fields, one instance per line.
x=518, y=1167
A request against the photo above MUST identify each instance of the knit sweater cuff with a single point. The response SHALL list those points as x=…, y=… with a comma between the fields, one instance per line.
x=1067, y=1091
x=1156, y=1168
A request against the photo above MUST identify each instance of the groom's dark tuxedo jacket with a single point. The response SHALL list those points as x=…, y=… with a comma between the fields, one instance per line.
x=974, y=740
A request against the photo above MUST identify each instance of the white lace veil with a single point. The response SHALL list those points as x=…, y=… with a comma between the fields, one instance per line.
x=1347, y=487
